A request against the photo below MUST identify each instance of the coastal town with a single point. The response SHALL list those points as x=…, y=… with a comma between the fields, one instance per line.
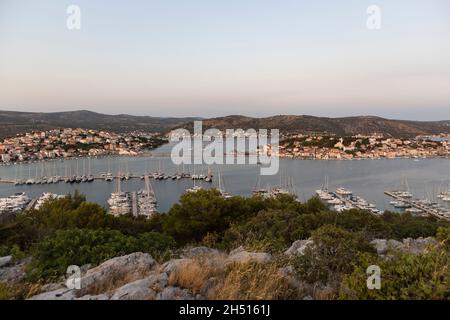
x=376, y=146
x=68, y=143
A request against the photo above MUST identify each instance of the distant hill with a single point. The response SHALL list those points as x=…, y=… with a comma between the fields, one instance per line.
x=339, y=126
x=12, y=122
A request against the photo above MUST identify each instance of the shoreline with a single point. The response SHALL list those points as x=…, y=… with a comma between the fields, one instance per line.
x=144, y=154
x=61, y=159
x=359, y=159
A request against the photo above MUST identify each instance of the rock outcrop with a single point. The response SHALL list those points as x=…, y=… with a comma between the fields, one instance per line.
x=4, y=261
x=116, y=272
x=13, y=272
x=137, y=276
x=298, y=247
x=408, y=245
x=240, y=255
x=130, y=267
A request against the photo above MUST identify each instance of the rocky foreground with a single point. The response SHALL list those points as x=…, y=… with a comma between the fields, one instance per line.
x=194, y=275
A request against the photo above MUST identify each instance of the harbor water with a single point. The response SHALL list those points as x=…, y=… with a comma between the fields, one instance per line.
x=425, y=178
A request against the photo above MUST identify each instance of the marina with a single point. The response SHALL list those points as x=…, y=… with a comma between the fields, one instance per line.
x=423, y=207
x=137, y=203
x=343, y=199
x=427, y=178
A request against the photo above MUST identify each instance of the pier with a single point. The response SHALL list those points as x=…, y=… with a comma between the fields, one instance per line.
x=156, y=176
x=31, y=204
x=425, y=206
x=134, y=204
x=344, y=199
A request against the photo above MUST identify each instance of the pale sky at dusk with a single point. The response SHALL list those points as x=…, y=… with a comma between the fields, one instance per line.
x=215, y=57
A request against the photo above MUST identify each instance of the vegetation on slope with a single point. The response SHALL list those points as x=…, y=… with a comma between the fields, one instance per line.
x=72, y=231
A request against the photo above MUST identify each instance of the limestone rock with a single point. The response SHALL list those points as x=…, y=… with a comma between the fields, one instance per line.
x=394, y=245
x=144, y=289
x=380, y=245
x=4, y=261
x=409, y=245
x=13, y=273
x=175, y=293
x=298, y=247
x=200, y=252
x=126, y=268
x=419, y=245
x=174, y=265
x=243, y=256
x=237, y=250
x=96, y=297
x=137, y=290
x=53, y=287
x=208, y=286
x=133, y=266
x=59, y=294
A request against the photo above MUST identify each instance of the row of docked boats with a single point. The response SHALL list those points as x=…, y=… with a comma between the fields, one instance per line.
x=141, y=203
x=196, y=188
x=55, y=179
x=45, y=197
x=444, y=196
x=14, y=204
x=286, y=187
x=422, y=207
x=343, y=199
x=20, y=201
x=181, y=175
x=272, y=192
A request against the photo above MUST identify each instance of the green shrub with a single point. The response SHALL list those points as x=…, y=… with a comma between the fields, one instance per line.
x=403, y=276
x=53, y=255
x=334, y=254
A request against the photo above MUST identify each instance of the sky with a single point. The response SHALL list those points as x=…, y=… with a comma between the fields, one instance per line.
x=218, y=57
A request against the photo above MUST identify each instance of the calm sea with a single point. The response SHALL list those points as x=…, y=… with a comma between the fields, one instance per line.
x=366, y=178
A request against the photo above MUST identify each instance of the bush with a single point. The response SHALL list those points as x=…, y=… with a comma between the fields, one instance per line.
x=270, y=230
x=206, y=211
x=334, y=254
x=403, y=276
x=406, y=225
x=70, y=212
x=53, y=255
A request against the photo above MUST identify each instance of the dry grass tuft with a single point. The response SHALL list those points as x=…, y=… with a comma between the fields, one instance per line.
x=116, y=280
x=254, y=281
x=193, y=274
x=19, y=291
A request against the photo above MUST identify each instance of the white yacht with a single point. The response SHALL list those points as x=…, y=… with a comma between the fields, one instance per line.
x=194, y=189
x=343, y=192
x=223, y=193
x=45, y=197
x=15, y=203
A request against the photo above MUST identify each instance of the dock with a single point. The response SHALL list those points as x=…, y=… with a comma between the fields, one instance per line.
x=162, y=177
x=427, y=208
x=341, y=202
x=134, y=204
x=31, y=204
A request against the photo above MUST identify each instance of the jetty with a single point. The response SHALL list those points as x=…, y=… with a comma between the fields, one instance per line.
x=424, y=207
x=343, y=199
